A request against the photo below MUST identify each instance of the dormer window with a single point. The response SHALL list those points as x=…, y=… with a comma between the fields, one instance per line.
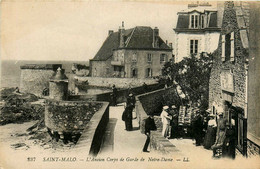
x=202, y=21
x=194, y=21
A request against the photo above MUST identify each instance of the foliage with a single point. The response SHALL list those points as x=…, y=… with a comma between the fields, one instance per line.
x=191, y=75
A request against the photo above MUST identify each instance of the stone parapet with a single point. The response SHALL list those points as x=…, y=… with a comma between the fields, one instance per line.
x=67, y=116
x=162, y=145
x=119, y=82
x=92, y=136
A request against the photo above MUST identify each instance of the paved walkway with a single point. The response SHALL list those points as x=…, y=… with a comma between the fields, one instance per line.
x=119, y=141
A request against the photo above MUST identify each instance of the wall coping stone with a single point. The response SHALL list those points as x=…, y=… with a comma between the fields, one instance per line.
x=41, y=66
x=161, y=144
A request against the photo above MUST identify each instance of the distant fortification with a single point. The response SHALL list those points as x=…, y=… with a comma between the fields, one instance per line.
x=35, y=77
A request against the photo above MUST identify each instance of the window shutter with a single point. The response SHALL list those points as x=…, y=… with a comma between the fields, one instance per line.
x=151, y=73
x=223, y=48
x=136, y=73
x=232, y=50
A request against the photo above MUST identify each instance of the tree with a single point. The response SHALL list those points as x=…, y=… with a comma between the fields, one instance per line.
x=192, y=76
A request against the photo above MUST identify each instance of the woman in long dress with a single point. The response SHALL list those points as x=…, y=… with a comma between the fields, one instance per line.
x=127, y=114
x=221, y=133
x=210, y=136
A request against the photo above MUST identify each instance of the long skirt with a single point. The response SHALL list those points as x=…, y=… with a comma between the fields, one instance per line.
x=210, y=137
x=165, y=130
x=128, y=124
x=221, y=135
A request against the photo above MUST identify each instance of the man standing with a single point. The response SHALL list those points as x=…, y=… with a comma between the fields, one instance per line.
x=166, y=118
x=149, y=125
x=174, y=122
x=198, y=128
x=114, y=95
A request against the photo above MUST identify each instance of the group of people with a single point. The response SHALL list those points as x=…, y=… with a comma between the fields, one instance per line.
x=212, y=131
x=209, y=130
x=169, y=118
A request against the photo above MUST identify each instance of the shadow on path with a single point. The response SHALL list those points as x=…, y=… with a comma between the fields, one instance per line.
x=108, y=140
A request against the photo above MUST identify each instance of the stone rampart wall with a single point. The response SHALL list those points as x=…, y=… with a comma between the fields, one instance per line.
x=68, y=116
x=35, y=77
x=91, y=138
x=161, y=145
x=118, y=82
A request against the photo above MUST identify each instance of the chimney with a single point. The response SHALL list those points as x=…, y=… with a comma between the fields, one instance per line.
x=155, y=37
x=122, y=36
x=170, y=44
x=110, y=32
x=166, y=42
x=220, y=13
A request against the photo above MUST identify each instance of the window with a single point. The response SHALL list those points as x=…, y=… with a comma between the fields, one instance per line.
x=148, y=72
x=134, y=72
x=163, y=58
x=134, y=58
x=149, y=57
x=194, y=21
x=194, y=46
x=227, y=46
x=202, y=21
x=228, y=51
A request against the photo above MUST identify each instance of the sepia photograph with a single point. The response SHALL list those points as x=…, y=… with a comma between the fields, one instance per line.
x=126, y=84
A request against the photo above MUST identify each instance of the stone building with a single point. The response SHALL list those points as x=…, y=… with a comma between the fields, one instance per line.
x=35, y=77
x=197, y=30
x=253, y=119
x=229, y=76
x=132, y=53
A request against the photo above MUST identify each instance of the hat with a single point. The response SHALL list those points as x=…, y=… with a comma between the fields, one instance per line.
x=174, y=107
x=220, y=113
x=165, y=107
x=130, y=94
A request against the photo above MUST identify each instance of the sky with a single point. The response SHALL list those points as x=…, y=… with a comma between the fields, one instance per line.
x=75, y=30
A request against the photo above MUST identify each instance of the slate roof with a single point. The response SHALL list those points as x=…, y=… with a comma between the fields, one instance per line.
x=59, y=75
x=140, y=37
x=184, y=18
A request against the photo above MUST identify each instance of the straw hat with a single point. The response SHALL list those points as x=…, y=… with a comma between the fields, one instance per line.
x=165, y=107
